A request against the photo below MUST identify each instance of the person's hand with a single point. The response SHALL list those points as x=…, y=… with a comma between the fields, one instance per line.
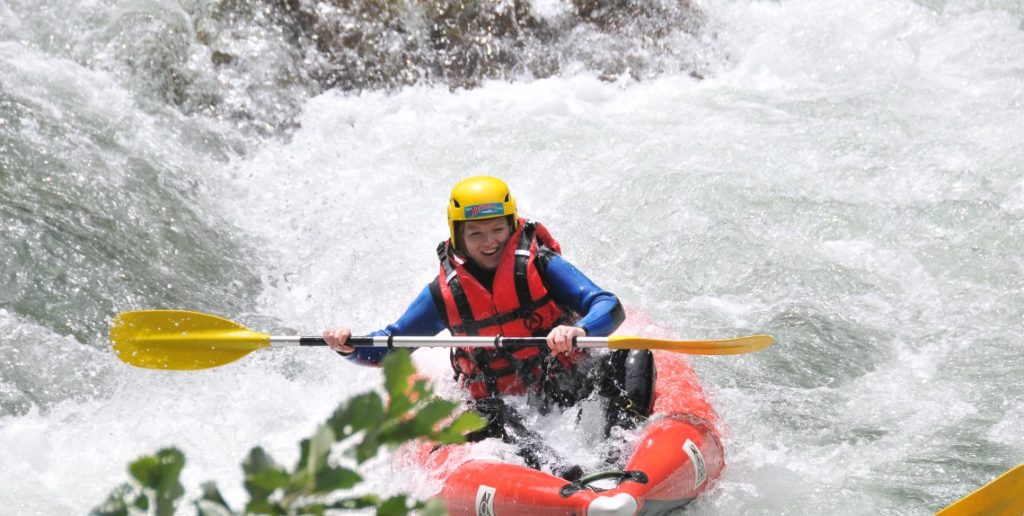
x=337, y=339
x=560, y=338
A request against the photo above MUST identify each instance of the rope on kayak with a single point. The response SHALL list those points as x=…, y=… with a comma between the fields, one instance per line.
x=584, y=482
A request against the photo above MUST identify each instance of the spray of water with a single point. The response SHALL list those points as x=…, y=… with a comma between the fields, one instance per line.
x=843, y=177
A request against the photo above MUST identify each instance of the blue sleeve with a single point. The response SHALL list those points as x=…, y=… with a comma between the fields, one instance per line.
x=602, y=313
x=420, y=319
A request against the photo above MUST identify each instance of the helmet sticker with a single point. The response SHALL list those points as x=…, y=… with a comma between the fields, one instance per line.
x=491, y=209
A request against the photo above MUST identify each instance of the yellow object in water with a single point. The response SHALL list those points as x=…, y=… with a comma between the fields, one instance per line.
x=1003, y=496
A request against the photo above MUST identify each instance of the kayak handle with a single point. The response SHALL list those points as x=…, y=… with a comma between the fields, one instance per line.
x=584, y=483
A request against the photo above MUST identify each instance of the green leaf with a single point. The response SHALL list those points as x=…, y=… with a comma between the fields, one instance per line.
x=358, y=502
x=360, y=413
x=258, y=461
x=160, y=473
x=298, y=482
x=169, y=488
x=410, y=412
x=399, y=406
x=313, y=508
x=146, y=470
x=398, y=368
x=421, y=390
x=367, y=448
x=421, y=424
x=212, y=494
x=264, y=507
x=336, y=479
x=431, y=414
x=433, y=507
x=455, y=432
x=394, y=506
x=141, y=502
x=400, y=433
x=267, y=481
x=262, y=475
x=315, y=452
x=211, y=503
x=115, y=504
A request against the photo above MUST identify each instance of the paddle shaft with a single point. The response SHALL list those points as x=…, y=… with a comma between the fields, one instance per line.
x=186, y=341
x=425, y=342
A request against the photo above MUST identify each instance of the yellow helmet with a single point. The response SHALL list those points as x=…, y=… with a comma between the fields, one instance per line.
x=480, y=198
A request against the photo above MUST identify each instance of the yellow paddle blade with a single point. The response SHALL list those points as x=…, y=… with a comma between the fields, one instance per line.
x=181, y=340
x=1003, y=496
x=694, y=347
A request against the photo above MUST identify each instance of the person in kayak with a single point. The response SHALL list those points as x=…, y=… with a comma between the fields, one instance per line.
x=503, y=275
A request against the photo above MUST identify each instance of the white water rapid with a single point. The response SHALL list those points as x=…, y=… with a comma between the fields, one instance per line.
x=848, y=176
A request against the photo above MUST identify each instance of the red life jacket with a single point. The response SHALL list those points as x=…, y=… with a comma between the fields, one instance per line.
x=518, y=305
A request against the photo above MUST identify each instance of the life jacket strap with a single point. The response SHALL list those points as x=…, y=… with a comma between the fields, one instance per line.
x=458, y=294
x=483, y=371
x=472, y=327
x=522, y=255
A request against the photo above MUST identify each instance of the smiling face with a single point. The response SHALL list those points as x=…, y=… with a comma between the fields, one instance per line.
x=484, y=240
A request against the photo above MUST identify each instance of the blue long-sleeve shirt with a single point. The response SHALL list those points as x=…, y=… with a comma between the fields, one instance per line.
x=601, y=310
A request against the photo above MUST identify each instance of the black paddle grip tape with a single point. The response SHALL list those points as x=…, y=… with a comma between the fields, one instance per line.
x=319, y=341
x=510, y=342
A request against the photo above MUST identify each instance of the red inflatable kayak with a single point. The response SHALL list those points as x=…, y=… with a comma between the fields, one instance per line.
x=678, y=453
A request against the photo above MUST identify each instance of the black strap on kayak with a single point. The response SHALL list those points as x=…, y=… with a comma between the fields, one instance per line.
x=584, y=482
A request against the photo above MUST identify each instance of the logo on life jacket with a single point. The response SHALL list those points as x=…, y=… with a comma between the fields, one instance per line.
x=484, y=210
x=534, y=322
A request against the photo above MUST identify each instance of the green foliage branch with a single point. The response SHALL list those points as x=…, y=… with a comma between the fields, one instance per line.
x=361, y=426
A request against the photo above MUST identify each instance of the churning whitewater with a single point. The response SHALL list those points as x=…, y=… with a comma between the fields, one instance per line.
x=847, y=177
